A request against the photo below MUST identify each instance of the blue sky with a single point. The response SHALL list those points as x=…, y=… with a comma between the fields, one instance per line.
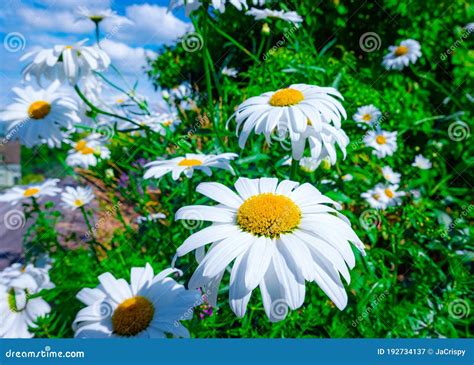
x=45, y=23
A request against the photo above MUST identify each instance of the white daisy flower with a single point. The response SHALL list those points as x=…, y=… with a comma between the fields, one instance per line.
x=288, y=16
x=95, y=15
x=301, y=111
x=400, y=56
x=367, y=114
x=87, y=152
x=383, y=196
x=391, y=195
x=40, y=116
x=65, y=62
x=384, y=143
x=347, y=177
x=149, y=307
x=415, y=193
x=159, y=123
x=188, y=164
x=48, y=188
x=322, y=145
x=150, y=218
x=391, y=176
x=229, y=71
x=18, y=309
x=74, y=198
x=309, y=164
x=375, y=198
x=422, y=162
x=191, y=5
x=278, y=235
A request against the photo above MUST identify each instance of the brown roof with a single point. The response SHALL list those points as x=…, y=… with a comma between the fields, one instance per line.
x=10, y=152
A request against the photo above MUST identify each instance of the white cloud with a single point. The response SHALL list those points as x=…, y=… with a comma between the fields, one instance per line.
x=153, y=25
x=127, y=59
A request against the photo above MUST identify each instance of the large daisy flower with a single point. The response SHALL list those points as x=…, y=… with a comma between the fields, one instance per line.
x=278, y=235
x=288, y=16
x=87, y=152
x=16, y=194
x=149, y=307
x=422, y=162
x=74, y=198
x=390, y=175
x=367, y=114
x=384, y=143
x=65, y=62
x=188, y=164
x=295, y=110
x=400, y=56
x=18, y=309
x=40, y=116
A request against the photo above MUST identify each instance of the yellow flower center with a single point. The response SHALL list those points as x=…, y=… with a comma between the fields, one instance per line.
x=190, y=162
x=167, y=123
x=376, y=196
x=68, y=47
x=39, y=109
x=78, y=203
x=96, y=18
x=367, y=117
x=132, y=316
x=381, y=139
x=389, y=193
x=120, y=101
x=268, y=215
x=30, y=192
x=286, y=97
x=82, y=147
x=401, y=50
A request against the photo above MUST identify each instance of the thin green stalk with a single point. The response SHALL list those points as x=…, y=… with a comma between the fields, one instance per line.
x=189, y=195
x=91, y=231
x=294, y=170
x=235, y=42
x=100, y=111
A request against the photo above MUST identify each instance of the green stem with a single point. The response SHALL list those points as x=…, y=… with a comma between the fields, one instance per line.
x=189, y=196
x=294, y=170
x=97, y=34
x=233, y=41
x=91, y=231
x=100, y=111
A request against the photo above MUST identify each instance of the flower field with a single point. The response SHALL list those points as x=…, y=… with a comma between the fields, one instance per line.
x=299, y=170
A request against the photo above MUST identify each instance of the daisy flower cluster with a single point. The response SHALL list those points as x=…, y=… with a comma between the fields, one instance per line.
x=230, y=199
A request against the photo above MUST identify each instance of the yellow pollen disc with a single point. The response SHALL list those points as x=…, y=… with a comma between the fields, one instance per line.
x=189, y=162
x=132, y=316
x=96, y=18
x=401, y=50
x=381, y=139
x=389, y=193
x=286, y=97
x=167, y=123
x=30, y=192
x=367, y=117
x=268, y=215
x=376, y=196
x=39, y=109
x=78, y=203
x=68, y=47
x=82, y=147
x=120, y=101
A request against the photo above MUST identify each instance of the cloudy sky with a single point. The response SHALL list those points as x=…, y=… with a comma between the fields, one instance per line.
x=26, y=25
